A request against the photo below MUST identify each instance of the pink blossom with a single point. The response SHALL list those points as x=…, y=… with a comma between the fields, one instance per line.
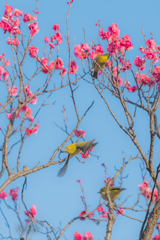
x=151, y=56
x=15, y=31
x=14, y=41
x=111, y=48
x=104, y=35
x=52, y=46
x=79, y=133
x=56, y=27
x=107, y=181
x=125, y=42
x=34, y=100
x=13, y=91
x=156, y=237
x=5, y=26
x=114, y=30
x=59, y=63
x=151, y=44
x=92, y=55
x=63, y=72
x=91, y=215
x=79, y=180
x=31, y=119
x=32, y=213
x=44, y=61
x=3, y=195
x=34, y=28
x=28, y=18
x=85, y=155
x=81, y=214
x=7, y=63
x=126, y=65
x=104, y=214
x=28, y=112
x=73, y=67
x=144, y=79
x=155, y=195
x=35, y=128
x=100, y=209
x=143, y=50
x=99, y=49
x=17, y=13
x=88, y=236
x=1, y=69
x=59, y=40
x=13, y=193
x=85, y=47
x=119, y=80
x=46, y=39
x=33, y=51
x=17, y=22
x=138, y=62
x=158, y=49
x=5, y=75
x=29, y=131
x=81, y=51
x=121, y=211
x=77, y=236
x=9, y=116
x=8, y=8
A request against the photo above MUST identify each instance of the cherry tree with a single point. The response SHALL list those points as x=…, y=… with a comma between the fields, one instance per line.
x=134, y=86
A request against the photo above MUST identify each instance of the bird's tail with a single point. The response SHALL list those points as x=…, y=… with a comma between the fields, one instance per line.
x=63, y=170
x=95, y=74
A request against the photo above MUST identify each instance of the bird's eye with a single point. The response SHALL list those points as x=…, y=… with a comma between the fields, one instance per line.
x=68, y=148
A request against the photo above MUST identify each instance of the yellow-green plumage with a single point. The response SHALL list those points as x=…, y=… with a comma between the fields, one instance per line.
x=99, y=62
x=113, y=192
x=74, y=149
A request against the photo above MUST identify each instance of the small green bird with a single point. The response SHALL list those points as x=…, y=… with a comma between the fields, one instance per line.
x=113, y=192
x=74, y=149
x=99, y=62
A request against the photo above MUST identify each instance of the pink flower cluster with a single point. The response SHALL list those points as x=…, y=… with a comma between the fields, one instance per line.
x=57, y=37
x=3, y=195
x=107, y=181
x=14, y=193
x=31, y=213
x=73, y=67
x=129, y=88
x=150, y=52
x=79, y=133
x=156, y=237
x=146, y=191
x=121, y=211
x=81, y=51
x=13, y=91
x=33, y=51
x=87, y=236
x=115, y=43
x=3, y=73
x=86, y=155
x=57, y=64
x=103, y=213
x=143, y=79
x=30, y=131
x=140, y=63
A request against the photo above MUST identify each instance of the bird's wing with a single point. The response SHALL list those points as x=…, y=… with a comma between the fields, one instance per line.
x=88, y=146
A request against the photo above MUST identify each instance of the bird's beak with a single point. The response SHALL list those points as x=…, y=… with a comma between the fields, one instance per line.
x=98, y=192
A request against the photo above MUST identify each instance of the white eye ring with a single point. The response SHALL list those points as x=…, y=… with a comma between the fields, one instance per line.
x=68, y=148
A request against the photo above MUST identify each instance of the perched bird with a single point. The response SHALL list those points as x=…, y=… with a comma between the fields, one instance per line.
x=74, y=149
x=113, y=192
x=99, y=62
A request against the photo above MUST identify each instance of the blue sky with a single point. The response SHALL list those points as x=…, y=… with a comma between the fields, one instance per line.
x=58, y=199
